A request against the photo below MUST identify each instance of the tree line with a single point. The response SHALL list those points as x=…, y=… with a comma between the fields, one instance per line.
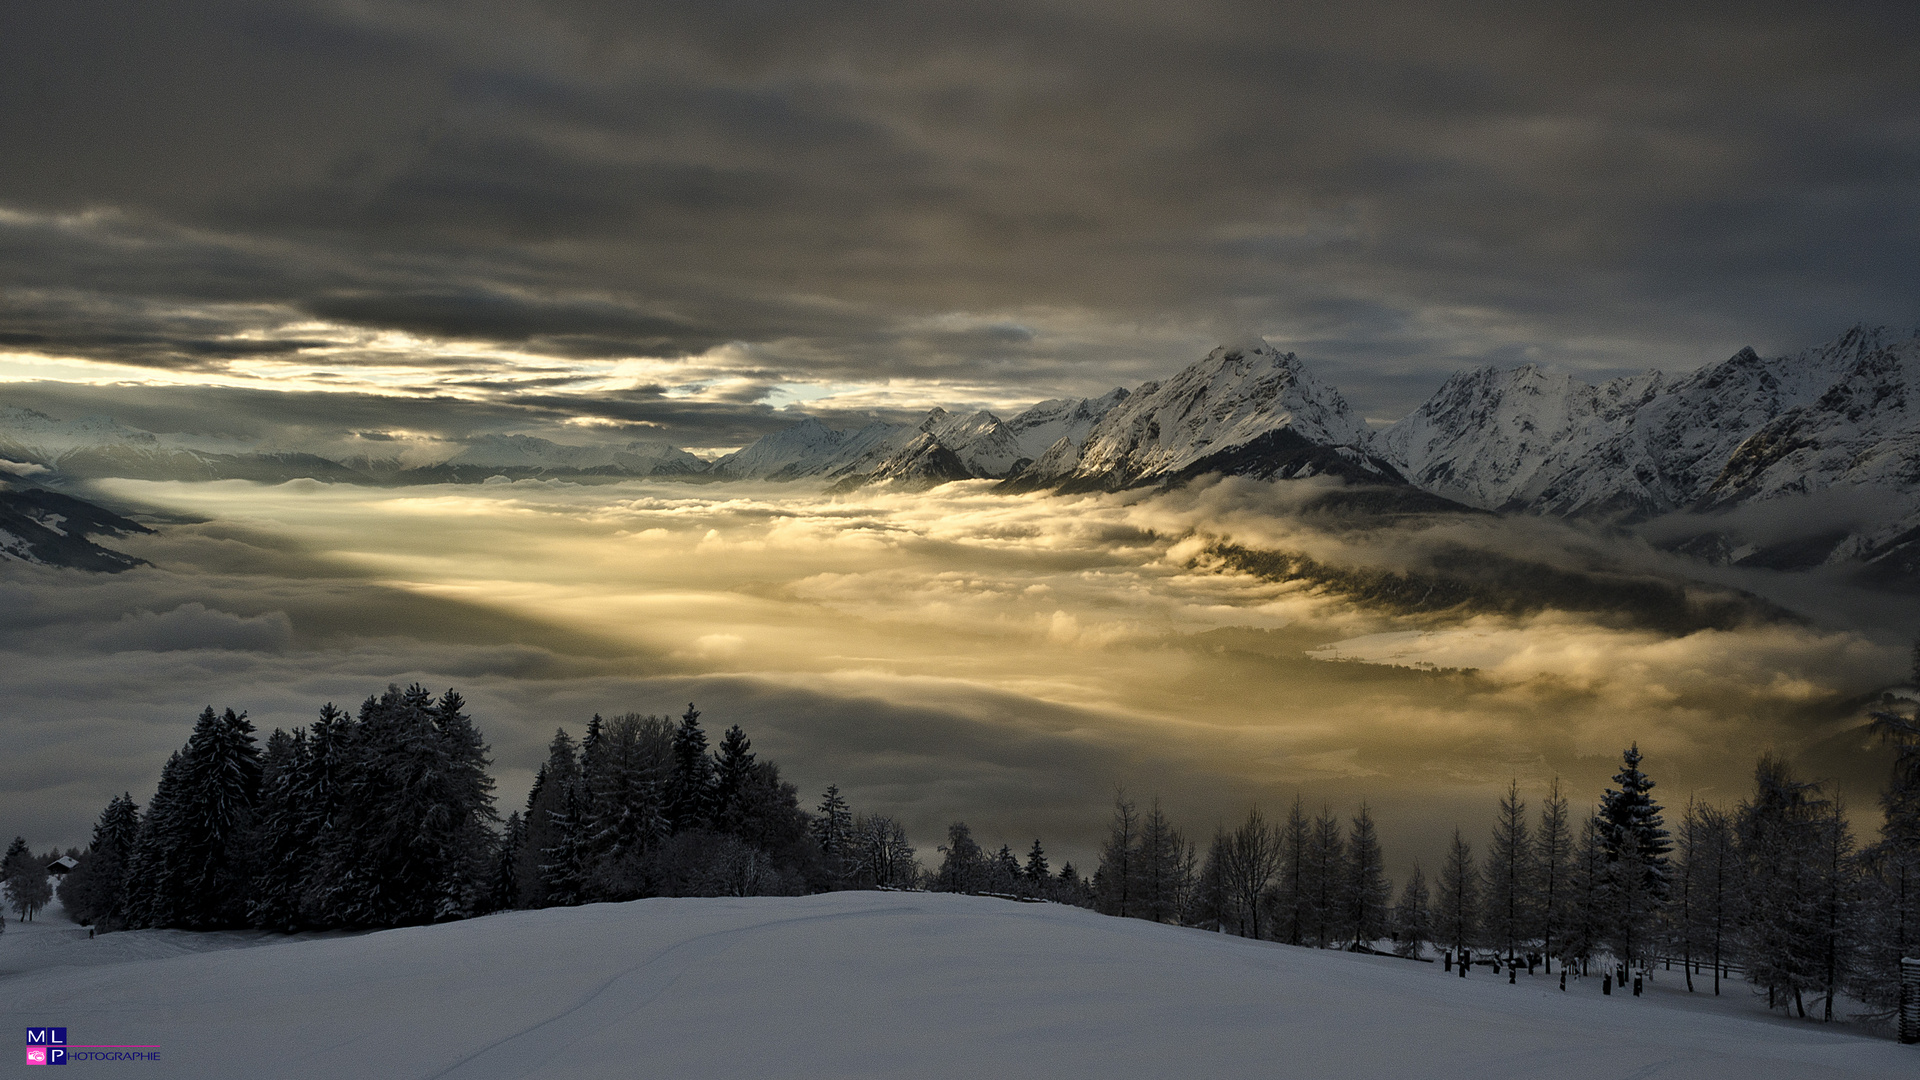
x=386, y=817
x=1775, y=888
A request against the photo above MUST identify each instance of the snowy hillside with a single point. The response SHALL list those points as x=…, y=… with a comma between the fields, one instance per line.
x=1072, y=419
x=47, y=528
x=868, y=985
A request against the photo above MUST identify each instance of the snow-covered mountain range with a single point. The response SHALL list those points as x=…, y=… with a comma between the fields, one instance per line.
x=942, y=447
x=1789, y=461
x=1244, y=409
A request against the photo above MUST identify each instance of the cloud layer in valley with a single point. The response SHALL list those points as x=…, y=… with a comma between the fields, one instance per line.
x=955, y=654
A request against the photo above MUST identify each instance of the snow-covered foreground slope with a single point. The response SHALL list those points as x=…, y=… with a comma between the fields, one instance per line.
x=870, y=985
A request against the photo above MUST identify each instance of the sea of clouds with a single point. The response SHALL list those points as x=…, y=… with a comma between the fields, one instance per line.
x=955, y=654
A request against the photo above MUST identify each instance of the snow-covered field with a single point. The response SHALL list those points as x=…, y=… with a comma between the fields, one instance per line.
x=863, y=985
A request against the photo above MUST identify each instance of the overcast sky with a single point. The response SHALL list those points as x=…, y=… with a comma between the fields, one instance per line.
x=677, y=218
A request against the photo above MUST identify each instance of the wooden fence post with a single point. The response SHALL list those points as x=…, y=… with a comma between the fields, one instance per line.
x=1910, y=1001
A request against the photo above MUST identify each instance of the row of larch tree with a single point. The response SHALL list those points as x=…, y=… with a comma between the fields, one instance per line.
x=1774, y=889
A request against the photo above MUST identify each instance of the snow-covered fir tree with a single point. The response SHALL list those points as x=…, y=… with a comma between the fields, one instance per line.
x=92, y=892
x=690, y=788
x=832, y=829
x=733, y=774
x=1036, y=873
x=1637, y=845
x=282, y=845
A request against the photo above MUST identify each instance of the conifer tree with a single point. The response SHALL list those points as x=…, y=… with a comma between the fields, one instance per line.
x=1365, y=893
x=1036, y=871
x=26, y=879
x=1552, y=860
x=1214, y=906
x=411, y=840
x=320, y=786
x=1507, y=917
x=1835, y=902
x=1457, y=906
x=1116, y=878
x=219, y=786
x=506, y=877
x=546, y=802
x=1413, y=916
x=1689, y=870
x=832, y=826
x=457, y=814
x=733, y=773
x=1292, y=909
x=1718, y=881
x=1005, y=870
x=1325, y=856
x=1780, y=838
x=628, y=799
x=564, y=870
x=690, y=790
x=1890, y=901
x=148, y=885
x=1161, y=859
x=282, y=846
x=594, y=768
x=92, y=892
x=1636, y=845
x=1587, y=909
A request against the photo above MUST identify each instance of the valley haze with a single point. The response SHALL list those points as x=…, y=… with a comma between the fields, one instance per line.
x=1221, y=587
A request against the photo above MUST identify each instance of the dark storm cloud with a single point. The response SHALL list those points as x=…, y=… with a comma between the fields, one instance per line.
x=316, y=420
x=1393, y=189
x=502, y=317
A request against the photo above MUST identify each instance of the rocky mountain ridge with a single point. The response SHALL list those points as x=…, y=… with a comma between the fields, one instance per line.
x=1785, y=462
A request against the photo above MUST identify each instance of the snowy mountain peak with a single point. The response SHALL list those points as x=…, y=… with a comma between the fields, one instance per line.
x=1236, y=394
x=1841, y=415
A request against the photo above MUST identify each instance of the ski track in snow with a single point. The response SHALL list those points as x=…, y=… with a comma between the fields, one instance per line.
x=523, y=1052
x=873, y=985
